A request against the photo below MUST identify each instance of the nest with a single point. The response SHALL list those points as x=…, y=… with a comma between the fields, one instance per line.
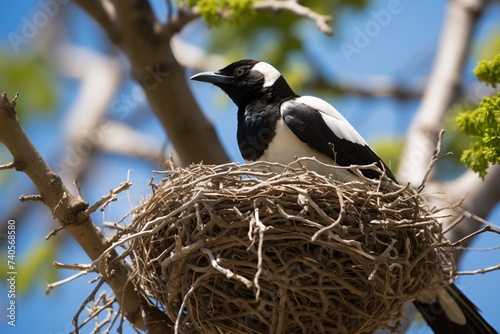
x=241, y=249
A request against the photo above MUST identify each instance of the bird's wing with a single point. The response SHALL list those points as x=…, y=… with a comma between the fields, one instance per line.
x=322, y=127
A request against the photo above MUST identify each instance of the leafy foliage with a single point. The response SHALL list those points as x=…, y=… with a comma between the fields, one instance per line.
x=483, y=123
x=31, y=75
x=214, y=12
x=489, y=71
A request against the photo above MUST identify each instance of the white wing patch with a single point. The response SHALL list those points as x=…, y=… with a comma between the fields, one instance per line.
x=449, y=305
x=451, y=308
x=285, y=146
x=270, y=73
x=333, y=119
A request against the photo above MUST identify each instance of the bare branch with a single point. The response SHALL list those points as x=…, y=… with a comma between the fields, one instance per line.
x=69, y=211
x=53, y=232
x=85, y=302
x=104, y=13
x=26, y=198
x=79, y=267
x=470, y=236
x=9, y=165
x=434, y=159
x=299, y=10
x=163, y=80
x=52, y=286
x=122, y=139
x=373, y=86
x=443, y=88
x=480, y=197
x=480, y=271
x=105, y=200
x=194, y=57
x=186, y=15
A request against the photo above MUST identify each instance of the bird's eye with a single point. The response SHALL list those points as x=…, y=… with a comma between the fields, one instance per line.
x=239, y=71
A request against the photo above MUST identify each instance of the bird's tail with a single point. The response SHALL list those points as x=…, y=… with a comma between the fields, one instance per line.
x=453, y=313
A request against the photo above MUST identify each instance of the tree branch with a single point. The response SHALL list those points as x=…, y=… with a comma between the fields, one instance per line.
x=176, y=23
x=103, y=12
x=194, y=57
x=163, y=80
x=480, y=197
x=9, y=165
x=70, y=212
x=294, y=7
x=443, y=88
x=124, y=140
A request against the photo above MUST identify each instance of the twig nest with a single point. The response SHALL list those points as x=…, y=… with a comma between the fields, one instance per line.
x=240, y=249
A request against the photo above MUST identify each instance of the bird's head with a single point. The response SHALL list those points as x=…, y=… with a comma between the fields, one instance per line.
x=247, y=80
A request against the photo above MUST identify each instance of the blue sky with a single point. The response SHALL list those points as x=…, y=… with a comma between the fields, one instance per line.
x=403, y=47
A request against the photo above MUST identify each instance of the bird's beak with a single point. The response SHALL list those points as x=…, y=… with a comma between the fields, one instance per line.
x=212, y=77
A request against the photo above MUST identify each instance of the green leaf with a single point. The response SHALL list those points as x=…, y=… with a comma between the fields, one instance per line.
x=483, y=126
x=214, y=12
x=31, y=76
x=489, y=71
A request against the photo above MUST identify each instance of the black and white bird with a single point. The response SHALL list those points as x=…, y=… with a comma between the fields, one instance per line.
x=277, y=125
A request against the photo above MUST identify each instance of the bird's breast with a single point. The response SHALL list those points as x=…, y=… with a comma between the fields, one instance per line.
x=286, y=147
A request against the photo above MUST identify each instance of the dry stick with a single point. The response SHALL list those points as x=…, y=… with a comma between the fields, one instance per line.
x=145, y=231
x=9, y=165
x=96, y=312
x=85, y=302
x=184, y=301
x=53, y=232
x=26, y=198
x=453, y=224
x=228, y=273
x=299, y=10
x=105, y=200
x=339, y=219
x=487, y=228
x=479, y=219
x=435, y=158
x=54, y=285
x=79, y=267
x=480, y=271
x=99, y=325
x=112, y=323
x=384, y=254
x=261, y=229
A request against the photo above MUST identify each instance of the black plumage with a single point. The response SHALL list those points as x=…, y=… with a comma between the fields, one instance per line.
x=308, y=125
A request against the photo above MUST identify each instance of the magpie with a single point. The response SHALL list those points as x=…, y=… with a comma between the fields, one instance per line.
x=277, y=125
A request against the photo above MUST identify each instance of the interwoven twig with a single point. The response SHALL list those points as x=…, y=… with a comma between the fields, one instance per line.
x=239, y=249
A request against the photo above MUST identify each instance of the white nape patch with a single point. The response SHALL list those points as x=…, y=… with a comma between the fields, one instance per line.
x=333, y=119
x=270, y=73
x=285, y=146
